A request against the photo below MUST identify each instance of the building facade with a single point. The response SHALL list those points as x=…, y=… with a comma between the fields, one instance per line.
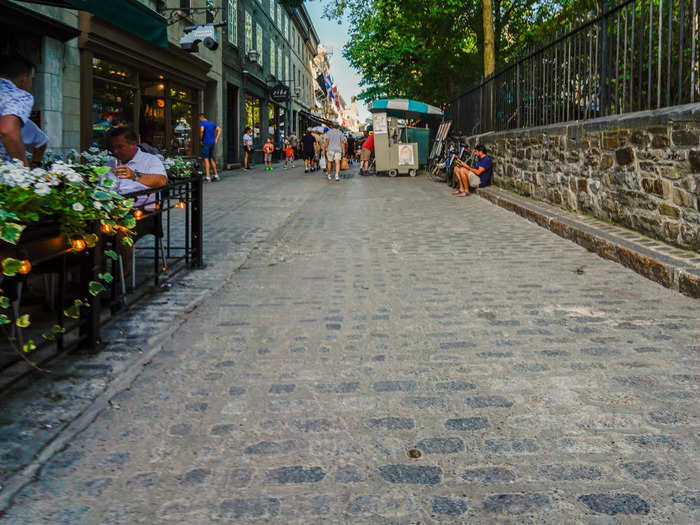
x=266, y=45
x=121, y=62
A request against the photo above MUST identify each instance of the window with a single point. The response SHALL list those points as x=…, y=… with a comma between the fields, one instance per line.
x=279, y=16
x=248, y=32
x=210, y=13
x=273, y=59
x=272, y=10
x=259, y=42
x=252, y=117
x=286, y=67
x=279, y=61
x=185, y=6
x=232, y=18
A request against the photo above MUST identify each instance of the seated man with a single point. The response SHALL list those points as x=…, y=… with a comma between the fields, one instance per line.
x=132, y=168
x=478, y=177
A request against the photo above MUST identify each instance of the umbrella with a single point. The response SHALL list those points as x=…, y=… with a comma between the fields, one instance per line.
x=405, y=108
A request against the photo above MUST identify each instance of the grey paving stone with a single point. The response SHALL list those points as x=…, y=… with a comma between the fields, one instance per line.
x=441, y=445
x=569, y=472
x=467, y=423
x=348, y=474
x=506, y=446
x=392, y=423
x=267, y=448
x=489, y=475
x=449, y=506
x=488, y=401
x=613, y=504
x=249, y=508
x=516, y=503
x=394, y=386
x=296, y=474
x=413, y=474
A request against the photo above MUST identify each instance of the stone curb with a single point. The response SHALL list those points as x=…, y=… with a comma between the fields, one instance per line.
x=666, y=270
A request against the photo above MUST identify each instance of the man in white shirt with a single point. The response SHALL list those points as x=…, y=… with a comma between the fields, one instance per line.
x=335, y=145
x=133, y=169
x=247, y=147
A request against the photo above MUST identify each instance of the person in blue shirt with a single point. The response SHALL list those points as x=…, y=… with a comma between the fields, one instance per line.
x=478, y=177
x=209, y=134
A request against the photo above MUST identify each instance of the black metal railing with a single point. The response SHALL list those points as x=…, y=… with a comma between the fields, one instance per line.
x=169, y=237
x=634, y=55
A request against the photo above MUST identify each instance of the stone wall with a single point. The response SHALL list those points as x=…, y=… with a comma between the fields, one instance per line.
x=640, y=170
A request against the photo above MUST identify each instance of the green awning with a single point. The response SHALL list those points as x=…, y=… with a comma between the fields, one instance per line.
x=129, y=15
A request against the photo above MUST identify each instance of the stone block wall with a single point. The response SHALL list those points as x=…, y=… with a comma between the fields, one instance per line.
x=640, y=170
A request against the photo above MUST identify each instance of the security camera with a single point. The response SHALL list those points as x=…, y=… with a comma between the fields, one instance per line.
x=205, y=33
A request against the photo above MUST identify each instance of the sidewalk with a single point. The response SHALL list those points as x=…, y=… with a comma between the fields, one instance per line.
x=665, y=264
x=241, y=211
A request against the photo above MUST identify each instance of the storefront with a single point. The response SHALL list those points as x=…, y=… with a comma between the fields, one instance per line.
x=127, y=80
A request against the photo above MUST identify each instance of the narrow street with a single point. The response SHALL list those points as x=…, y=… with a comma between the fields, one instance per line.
x=392, y=354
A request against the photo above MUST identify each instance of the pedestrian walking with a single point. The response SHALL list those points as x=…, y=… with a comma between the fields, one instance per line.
x=16, y=77
x=307, y=144
x=335, y=146
x=247, y=148
x=289, y=156
x=268, y=149
x=209, y=134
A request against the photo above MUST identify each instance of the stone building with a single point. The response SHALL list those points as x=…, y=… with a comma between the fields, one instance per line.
x=122, y=61
x=267, y=45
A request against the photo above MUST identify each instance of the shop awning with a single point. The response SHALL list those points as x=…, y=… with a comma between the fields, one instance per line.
x=129, y=15
x=22, y=19
x=405, y=108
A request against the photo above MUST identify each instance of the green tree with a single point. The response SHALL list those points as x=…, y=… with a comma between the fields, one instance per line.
x=430, y=49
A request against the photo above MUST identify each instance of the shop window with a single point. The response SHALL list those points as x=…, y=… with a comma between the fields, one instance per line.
x=113, y=102
x=272, y=121
x=232, y=18
x=152, y=121
x=185, y=5
x=181, y=118
x=252, y=117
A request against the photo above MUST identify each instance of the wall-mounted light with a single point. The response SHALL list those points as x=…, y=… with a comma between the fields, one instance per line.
x=252, y=56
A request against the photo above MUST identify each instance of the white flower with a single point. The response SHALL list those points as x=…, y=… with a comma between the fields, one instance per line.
x=73, y=177
x=78, y=207
x=97, y=205
x=42, y=189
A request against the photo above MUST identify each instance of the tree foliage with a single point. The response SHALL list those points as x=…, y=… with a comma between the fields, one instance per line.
x=430, y=49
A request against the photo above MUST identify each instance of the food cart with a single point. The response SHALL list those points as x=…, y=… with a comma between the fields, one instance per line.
x=396, y=145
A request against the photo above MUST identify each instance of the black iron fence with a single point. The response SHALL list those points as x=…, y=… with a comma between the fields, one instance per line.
x=168, y=237
x=634, y=55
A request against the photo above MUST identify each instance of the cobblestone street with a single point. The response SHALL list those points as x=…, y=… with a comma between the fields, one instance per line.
x=390, y=354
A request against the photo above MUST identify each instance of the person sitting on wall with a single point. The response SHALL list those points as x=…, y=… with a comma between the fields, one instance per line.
x=478, y=177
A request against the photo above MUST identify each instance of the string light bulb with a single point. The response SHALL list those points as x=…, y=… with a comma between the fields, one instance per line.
x=25, y=267
x=78, y=245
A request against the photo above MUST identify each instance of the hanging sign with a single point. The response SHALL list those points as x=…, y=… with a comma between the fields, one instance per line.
x=280, y=93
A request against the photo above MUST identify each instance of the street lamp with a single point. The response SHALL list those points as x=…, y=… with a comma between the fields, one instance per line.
x=252, y=56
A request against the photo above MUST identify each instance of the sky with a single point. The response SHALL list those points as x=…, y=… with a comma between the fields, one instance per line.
x=334, y=35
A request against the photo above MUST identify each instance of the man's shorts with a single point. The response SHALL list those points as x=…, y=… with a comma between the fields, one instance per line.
x=308, y=155
x=268, y=158
x=290, y=159
x=365, y=155
x=474, y=180
x=207, y=151
x=334, y=155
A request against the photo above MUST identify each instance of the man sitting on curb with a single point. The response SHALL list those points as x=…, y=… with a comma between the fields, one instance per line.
x=478, y=177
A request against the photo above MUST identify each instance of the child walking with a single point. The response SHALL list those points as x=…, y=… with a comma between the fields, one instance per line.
x=289, y=156
x=268, y=149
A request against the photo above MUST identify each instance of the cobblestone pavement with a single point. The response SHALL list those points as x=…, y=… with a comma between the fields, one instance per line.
x=391, y=354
